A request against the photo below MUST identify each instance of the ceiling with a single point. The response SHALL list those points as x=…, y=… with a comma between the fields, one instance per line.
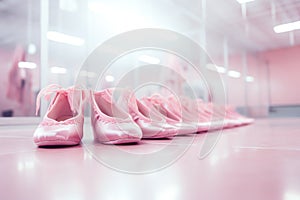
x=248, y=28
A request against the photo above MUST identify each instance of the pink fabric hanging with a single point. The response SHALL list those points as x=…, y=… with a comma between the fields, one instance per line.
x=19, y=80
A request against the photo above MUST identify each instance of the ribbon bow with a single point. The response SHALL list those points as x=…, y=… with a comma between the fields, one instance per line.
x=72, y=92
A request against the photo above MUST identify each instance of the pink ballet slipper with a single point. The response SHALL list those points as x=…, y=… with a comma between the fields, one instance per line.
x=188, y=112
x=234, y=115
x=152, y=123
x=111, y=121
x=211, y=114
x=167, y=110
x=63, y=121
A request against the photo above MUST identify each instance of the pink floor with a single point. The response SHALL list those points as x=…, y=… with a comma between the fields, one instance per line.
x=260, y=161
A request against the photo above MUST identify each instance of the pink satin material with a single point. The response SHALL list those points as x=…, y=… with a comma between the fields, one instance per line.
x=69, y=131
x=152, y=123
x=110, y=129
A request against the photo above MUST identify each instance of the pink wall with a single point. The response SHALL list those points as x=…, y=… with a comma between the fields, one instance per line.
x=284, y=71
x=276, y=79
x=257, y=96
x=253, y=95
x=235, y=86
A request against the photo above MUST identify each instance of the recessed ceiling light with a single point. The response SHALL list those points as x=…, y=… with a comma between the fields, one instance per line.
x=287, y=27
x=63, y=38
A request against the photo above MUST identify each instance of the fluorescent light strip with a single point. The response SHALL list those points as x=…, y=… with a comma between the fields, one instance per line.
x=58, y=70
x=249, y=78
x=149, y=59
x=287, y=27
x=27, y=65
x=221, y=70
x=244, y=1
x=63, y=38
x=234, y=74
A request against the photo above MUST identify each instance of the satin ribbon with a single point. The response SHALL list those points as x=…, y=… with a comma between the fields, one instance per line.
x=71, y=92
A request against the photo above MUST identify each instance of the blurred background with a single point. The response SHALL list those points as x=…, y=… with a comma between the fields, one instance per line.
x=253, y=44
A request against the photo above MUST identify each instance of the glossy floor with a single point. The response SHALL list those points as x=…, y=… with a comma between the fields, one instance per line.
x=260, y=161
